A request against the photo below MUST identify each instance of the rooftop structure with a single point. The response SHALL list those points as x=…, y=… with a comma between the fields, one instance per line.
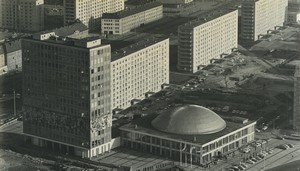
x=189, y=120
x=131, y=11
x=138, y=45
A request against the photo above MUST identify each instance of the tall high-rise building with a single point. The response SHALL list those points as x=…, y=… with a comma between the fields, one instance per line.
x=66, y=94
x=22, y=15
x=139, y=69
x=207, y=38
x=259, y=16
x=296, y=118
x=89, y=12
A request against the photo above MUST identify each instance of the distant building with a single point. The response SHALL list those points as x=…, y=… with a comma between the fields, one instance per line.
x=124, y=21
x=207, y=38
x=293, y=18
x=294, y=6
x=22, y=15
x=90, y=11
x=13, y=55
x=190, y=134
x=174, y=7
x=139, y=69
x=62, y=80
x=76, y=30
x=259, y=16
x=296, y=118
x=3, y=67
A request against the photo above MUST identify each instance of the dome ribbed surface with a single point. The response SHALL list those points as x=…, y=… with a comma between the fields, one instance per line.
x=189, y=120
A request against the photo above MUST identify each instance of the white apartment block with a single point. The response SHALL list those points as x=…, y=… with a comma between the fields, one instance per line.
x=207, y=38
x=90, y=11
x=22, y=15
x=259, y=16
x=140, y=68
x=124, y=21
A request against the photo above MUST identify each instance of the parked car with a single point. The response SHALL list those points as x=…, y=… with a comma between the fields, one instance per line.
x=254, y=159
x=250, y=161
x=264, y=128
x=246, y=150
x=290, y=145
x=244, y=165
x=270, y=151
x=235, y=168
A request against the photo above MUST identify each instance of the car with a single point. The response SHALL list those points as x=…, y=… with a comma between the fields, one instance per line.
x=246, y=150
x=257, y=130
x=250, y=161
x=264, y=153
x=270, y=151
x=290, y=145
x=286, y=146
x=244, y=165
x=264, y=128
x=235, y=168
x=258, y=157
x=254, y=159
x=241, y=168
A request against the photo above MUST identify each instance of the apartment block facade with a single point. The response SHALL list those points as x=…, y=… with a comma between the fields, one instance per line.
x=22, y=15
x=207, y=38
x=138, y=69
x=66, y=94
x=90, y=11
x=259, y=16
x=124, y=21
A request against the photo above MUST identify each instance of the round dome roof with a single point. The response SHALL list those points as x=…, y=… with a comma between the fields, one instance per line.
x=189, y=120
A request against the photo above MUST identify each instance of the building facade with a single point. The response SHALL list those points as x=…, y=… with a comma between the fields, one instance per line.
x=90, y=11
x=124, y=21
x=293, y=18
x=207, y=38
x=296, y=118
x=66, y=94
x=294, y=5
x=206, y=137
x=13, y=55
x=174, y=7
x=259, y=16
x=22, y=15
x=138, y=69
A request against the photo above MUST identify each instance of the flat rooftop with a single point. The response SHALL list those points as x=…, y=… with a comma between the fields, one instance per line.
x=206, y=17
x=143, y=125
x=67, y=41
x=134, y=47
x=131, y=11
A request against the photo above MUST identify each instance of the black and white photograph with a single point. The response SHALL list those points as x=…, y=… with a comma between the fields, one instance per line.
x=149, y=85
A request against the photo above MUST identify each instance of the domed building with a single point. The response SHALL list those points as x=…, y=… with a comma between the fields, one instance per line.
x=189, y=120
x=188, y=133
